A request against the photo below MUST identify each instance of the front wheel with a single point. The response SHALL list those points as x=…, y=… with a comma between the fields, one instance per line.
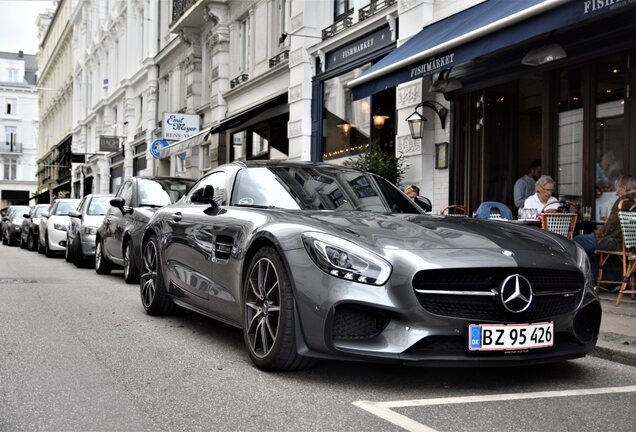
x=154, y=298
x=131, y=270
x=102, y=265
x=268, y=315
x=47, y=248
x=31, y=245
x=68, y=252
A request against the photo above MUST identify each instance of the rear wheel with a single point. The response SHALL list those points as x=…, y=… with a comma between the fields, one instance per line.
x=31, y=245
x=23, y=244
x=47, y=248
x=40, y=247
x=131, y=270
x=78, y=255
x=154, y=298
x=102, y=265
x=68, y=252
x=268, y=315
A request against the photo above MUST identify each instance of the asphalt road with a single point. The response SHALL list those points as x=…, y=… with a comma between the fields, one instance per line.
x=78, y=352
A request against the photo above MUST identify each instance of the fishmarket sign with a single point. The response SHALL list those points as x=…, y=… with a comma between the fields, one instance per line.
x=178, y=126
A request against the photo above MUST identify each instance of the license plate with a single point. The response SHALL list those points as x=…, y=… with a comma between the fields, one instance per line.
x=503, y=337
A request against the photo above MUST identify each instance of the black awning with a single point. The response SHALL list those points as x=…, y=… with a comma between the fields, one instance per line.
x=249, y=113
x=480, y=30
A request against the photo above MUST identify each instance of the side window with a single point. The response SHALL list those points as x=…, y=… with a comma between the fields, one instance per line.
x=126, y=192
x=82, y=204
x=218, y=181
x=53, y=209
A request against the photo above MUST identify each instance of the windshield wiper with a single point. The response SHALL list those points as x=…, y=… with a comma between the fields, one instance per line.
x=151, y=205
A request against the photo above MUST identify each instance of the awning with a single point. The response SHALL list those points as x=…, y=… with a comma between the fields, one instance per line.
x=186, y=143
x=249, y=113
x=482, y=29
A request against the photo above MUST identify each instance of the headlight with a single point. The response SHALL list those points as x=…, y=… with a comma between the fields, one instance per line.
x=90, y=230
x=59, y=227
x=583, y=263
x=346, y=260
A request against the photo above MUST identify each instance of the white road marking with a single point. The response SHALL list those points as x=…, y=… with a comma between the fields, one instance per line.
x=384, y=409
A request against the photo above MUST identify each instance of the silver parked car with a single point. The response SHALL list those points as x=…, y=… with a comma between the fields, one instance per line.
x=80, y=236
x=321, y=261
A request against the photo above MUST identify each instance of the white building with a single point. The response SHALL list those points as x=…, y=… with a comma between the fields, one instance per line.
x=115, y=79
x=18, y=128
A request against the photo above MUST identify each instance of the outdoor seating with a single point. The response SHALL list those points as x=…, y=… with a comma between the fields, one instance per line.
x=627, y=219
x=559, y=222
x=455, y=210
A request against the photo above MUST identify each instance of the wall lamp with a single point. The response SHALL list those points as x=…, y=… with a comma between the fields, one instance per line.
x=544, y=54
x=416, y=120
x=284, y=35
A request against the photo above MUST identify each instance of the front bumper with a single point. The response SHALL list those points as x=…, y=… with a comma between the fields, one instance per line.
x=57, y=239
x=346, y=320
x=88, y=245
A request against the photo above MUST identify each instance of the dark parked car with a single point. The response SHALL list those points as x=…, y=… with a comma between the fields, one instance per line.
x=82, y=229
x=12, y=224
x=320, y=261
x=119, y=236
x=30, y=227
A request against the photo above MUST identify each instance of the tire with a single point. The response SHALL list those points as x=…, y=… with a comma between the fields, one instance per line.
x=131, y=269
x=102, y=265
x=152, y=289
x=268, y=315
x=68, y=252
x=40, y=247
x=47, y=249
x=23, y=244
x=31, y=242
x=78, y=255
x=4, y=242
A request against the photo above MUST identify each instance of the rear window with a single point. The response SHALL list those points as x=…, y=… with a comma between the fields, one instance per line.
x=63, y=207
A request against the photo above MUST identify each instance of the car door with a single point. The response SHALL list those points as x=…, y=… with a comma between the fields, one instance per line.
x=75, y=224
x=190, y=252
x=115, y=222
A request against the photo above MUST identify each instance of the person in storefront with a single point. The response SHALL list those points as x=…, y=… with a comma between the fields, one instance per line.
x=608, y=169
x=412, y=192
x=525, y=185
x=544, y=188
x=609, y=236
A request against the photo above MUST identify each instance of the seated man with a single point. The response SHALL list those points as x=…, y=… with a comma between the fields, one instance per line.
x=545, y=188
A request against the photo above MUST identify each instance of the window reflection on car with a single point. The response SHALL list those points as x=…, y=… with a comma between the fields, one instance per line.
x=159, y=193
x=99, y=206
x=64, y=207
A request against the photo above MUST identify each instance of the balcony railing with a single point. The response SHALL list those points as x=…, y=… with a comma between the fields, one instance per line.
x=374, y=7
x=342, y=23
x=239, y=79
x=279, y=58
x=9, y=147
x=179, y=7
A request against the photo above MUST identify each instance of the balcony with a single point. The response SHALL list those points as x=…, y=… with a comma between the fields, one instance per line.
x=9, y=147
x=279, y=58
x=342, y=23
x=179, y=8
x=374, y=7
x=239, y=80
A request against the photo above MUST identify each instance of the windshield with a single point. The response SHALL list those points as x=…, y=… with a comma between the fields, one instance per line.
x=99, y=206
x=64, y=207
x=18, y=211
x=318, y=188
x=39, y=211
x=161, y=192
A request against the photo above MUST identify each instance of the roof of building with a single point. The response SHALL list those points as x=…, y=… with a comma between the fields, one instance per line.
x=30, y=64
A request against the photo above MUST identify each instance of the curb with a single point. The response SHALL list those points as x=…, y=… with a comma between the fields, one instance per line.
x=614, y=354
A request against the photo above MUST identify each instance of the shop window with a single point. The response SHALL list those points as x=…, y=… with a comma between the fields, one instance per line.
x=570, y=136
x=349, y=127
x=264, y=140
x=116, y=177
x=609, y=128
x=239, y=142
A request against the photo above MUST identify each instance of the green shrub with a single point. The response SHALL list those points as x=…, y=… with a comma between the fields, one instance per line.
x=375, y=161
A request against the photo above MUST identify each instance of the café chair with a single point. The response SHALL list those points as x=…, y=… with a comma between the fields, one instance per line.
x=627, y=220
x=560, y=222
x=455, y=210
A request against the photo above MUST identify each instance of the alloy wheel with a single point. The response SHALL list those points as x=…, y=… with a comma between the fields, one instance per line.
x=149, y=274
x=262, y=307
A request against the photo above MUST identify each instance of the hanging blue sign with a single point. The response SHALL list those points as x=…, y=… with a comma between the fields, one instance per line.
x=156, y=146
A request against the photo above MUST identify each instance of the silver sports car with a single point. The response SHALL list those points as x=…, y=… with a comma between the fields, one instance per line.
x=320, y=261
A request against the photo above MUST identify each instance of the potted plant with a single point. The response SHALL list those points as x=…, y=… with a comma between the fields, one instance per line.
x=376, y=161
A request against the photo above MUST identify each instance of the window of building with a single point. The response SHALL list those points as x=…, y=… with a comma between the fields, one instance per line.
x=244, y=44
x=263, y=140
x=341, y=7
x=11, y=134
x=140, y=162
x=10, y=168
x=13, y=75
x=205, y=157
x=283, y=14
x=11, y=107
x=116, y=177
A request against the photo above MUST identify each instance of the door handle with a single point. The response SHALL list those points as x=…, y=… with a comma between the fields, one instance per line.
x=177, y=216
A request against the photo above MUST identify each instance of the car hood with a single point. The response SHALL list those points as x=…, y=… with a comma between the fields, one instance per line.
x=382, y=232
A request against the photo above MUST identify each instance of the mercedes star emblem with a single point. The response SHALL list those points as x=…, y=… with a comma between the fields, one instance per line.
x=516, y=293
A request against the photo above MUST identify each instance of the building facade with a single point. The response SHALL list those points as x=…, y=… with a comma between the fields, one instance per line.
x=19, y=128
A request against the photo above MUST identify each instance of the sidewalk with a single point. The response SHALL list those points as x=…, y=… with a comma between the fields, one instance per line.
x=617, y=341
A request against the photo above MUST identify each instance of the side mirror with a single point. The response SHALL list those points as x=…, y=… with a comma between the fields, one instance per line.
x=26, y=215
x=5, y=218
x=204, y=196
x=75, y=214
x=424, y=203
x=118, y=202
x=46, y=214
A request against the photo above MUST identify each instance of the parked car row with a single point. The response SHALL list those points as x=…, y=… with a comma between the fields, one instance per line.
x=321, y=261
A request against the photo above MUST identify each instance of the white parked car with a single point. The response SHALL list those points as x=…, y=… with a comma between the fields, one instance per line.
x=53, y=226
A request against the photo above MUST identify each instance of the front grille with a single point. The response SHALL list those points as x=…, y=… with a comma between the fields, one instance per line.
x=488, y=308
x=357, y=322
